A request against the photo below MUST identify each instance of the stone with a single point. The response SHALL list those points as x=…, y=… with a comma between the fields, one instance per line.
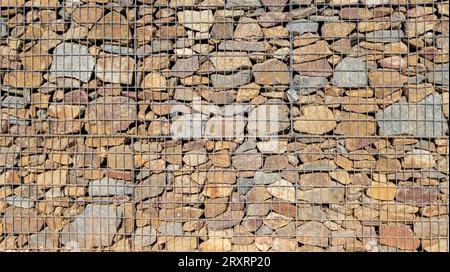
x=109, y=187
x=184, y=243
x=315, y=120
x=337, y=30
x=271, y=72
x=384, y=36
x=55, y=178
x=72, y=60
x=231, y=81
x=17, y=221
x=404, y=118
x=438, y=74
x=171, y=229
x=305, y=85
x=247, y=29
x=196, y=20
x=215, y=207
x=3, y=30
x=120, y=158
x=418, y=158
x=195, y=157
x=272, y=147
x=23, y=79
x=315, y=51
x=216, y=244
x=332, y=194
x=350, y=73
x=381, y=191
x=20, y=202
x=301, y=26
x=226, y=62
x=317, y=68
x=282, y=189
x=154, y=82
x=398, y=236
x=313, y=233
x=417, y=196
x=275, y=5
x=225, y=127
x=242, y=46
x=341, y=176
x=242, y=4
x=96, y=226
x=144, y=237
x=354, y=124
x=110, y=114
x=185, y=67
x=115, y=69
x=112, y=28
x=248, y=161
x=268, y=119
x=151, y=187
x=225, y=220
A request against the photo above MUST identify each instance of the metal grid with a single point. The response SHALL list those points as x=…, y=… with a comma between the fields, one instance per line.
x=185, y=125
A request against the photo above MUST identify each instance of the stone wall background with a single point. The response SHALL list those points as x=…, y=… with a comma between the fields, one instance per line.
x=213, y=125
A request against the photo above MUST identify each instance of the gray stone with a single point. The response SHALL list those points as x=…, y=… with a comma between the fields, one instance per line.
x=72, y=60
x=333, y=194
x=384, y=36
x=44, y=240
x=144, y=237
x=161, y=46
x=185, y=67
x=171, y=228
x=262, y=178
x=117, y=49
x=243, y=4
x=8, y=155
x=244, y=185
x=268, y=119
x=151, y=187
x=422, y=119
x=350, y=73
x=110, y=187
x=94, y=227
x=247, y=145
x=241, y=46
x=231, y=81
x=13, y=102
x=372, y=3
x=439, y=75
x=313, y=213
x=188, y=126
x=313, y=233
x=3, y=30
x=20, y=202
x=305, y=85
x=264, y=230
x=302, y=26
x=226, y=220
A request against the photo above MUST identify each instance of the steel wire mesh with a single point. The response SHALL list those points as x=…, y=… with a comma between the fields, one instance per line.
x=213, y=125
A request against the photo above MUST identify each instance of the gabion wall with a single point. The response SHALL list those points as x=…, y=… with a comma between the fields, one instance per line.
x=213, y=125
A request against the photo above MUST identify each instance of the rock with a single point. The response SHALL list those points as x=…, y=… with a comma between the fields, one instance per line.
x=242, y=4
x=402, y=118
x=23, y=79
x=268, y=119
x=110, y=114
x=271, y=72
x=242, y=46
x=185, y=67
x=154, y=82
x=381, y=191
x=20, y=202
x=3, y=30
x=332, y=194
x=299, y=27
x=315, y=51
x=262, y=178
x=275, y=5
x=317, y=68
x=418, y=158
x=215, y=207
x=225, y=220
x=195, y=157
x=13, y=102
x=21, y=221
x=350, y=73
x=276, y=162
x=226, y=62
x=417, y=196
x=184, y=243
x=313, y=233
x=115, y=69
x=120, y=158
x=72, y=60
x=438, y=74
x=354, y=124
x=216, y=244
x=341, y=176
x=399, y=236
x=272, y=147
x=282, y=189
x=109, y=187
x=226, y=127
x=231, y=81
x=112, y=28
x=43, y=240
x=315, y=120
x=248, y=161
x=384, y=36
x=196, y=20
x=144, y=237
x=151, y=187
x=55, y=178
x=171, y=229
x=247, y=29
x=337, y=30
x=96, y=226
x=306, y=85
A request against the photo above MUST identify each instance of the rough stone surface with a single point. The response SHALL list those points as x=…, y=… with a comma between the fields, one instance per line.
x=72, y=60
x=350, y=73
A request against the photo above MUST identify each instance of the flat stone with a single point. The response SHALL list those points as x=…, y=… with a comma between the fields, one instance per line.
x=305, y=85
x=274, y=5
x=313, y=233
x=384, y=36
x=23, y=79
x=150, y=187
x=55, y=178
x=21, y=221
x=185, y=67
x=439, y=74
x=341, y=176
x=117, y=49
x=248, y=29
x=110, y=114
x=115, y=69
x=403, y=118
x=248, y=161
x=144, y=237
x=112, y=28
x=272, y=147
x=399, y=236
x=271, y=72
x=262, y=178
x=154, y=82
x=350, y=73
x=418, y=158
x=196, y=20
x=354, y=124
x=315, y=51
x=226, y=220
x=332, y=194
x=109, y=187
x=171, y=228
x=96, y=226
x=276, y=163
x=215, y=207
x=21, y=202
x=195, y=157
x=301, y=26
x=381, y=191
x=268, y=119
x=72, y=60
x=231, y=81
x=13, y=102
x=315, y=120
x=120, y=158
x=215, y=245
x=317, y=68
x=3, y=30
x=225, y=127
x=243, y=4
x=313, y=213
x=225, y=62
x=417, y=196
x=250, y=46
x=337, y=30
x=282, y=189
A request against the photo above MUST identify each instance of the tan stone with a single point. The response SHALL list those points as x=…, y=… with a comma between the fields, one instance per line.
x=50, y=179
x=381, y=191
x=315, y=120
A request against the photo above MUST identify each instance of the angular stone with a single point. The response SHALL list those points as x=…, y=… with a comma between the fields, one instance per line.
x=248, y=29
x=120, y=158
x=228, y=62
x=185, y=67
x=337, y=30
x=313, y=233
x=196, y=20
x=439, y=74
x=418, y=158
x=23, y=79
x=225, y=220
x=268, y=119
x=235, y=4
x=272, y=147
x=317, y=68
x=282, y=189
x=417, y=196
x=55, y=178
x=318, y=50
x=151, y=187
x=381, y=191
x=215, y=245
x=144, y=237
x=115, y=69
x=21, y=202
x=225, y=127
x=96, y=226
x=306, y=85
x=21, y=221
x=301, y=26
x=110, y=114
x=248, y=161
x=422, y=119
x=72, y=60
x=112, y=28
x=315, y=120
x=332, y=194
x=231, y=81
x=384, y=36
x=195, y=157
x=271, y=72
x=399, y=236
x=109, y=187
x=350, y=73
x=242, y=46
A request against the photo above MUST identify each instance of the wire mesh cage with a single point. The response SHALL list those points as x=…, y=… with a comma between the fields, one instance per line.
x=224, y=125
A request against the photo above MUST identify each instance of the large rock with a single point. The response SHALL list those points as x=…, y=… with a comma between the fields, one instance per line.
x=302, y=26
x=271, y=72
x=422, y=119
x=110, y=187
x=112, y=28
x=268, y=119
x=115, y=69
x=231, y=81
x=21, y=221
x=96, y=226
x=315, y=120
x=313, y=233
x=196, y=20
x=72, y=60
x=350, y=73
